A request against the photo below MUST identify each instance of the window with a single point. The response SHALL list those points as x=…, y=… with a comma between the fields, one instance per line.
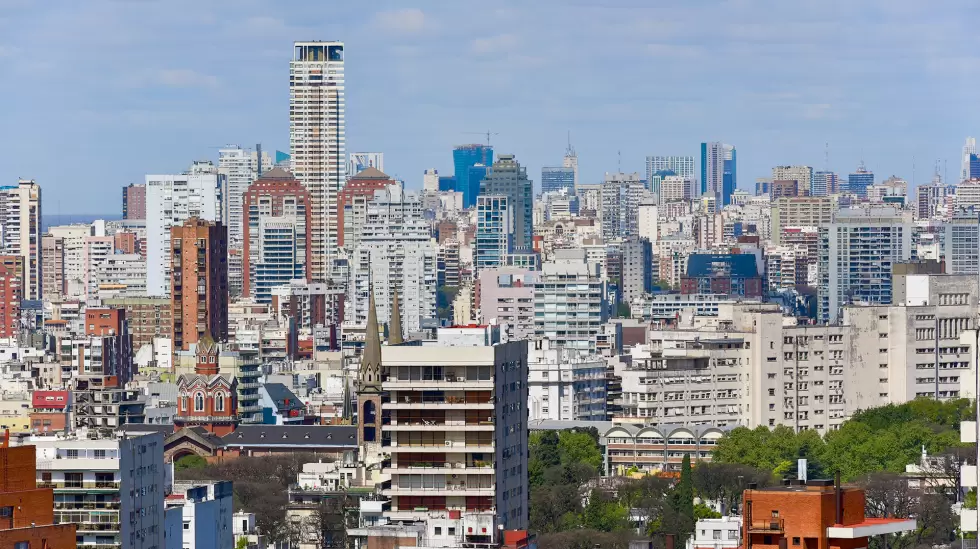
x=100, y=454
x=452, y=530
x=219, y=403
x=438, y=530
x=775, y=513
x=716, y=534
x=796, y=541
x=199, y=402
x=72, y=454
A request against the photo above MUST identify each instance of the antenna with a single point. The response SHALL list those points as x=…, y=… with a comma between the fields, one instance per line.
x=826, y=156
x=487, y=133
x=619, y=161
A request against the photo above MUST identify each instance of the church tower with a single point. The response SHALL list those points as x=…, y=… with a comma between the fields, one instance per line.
x=369, y=384
x=395, y=325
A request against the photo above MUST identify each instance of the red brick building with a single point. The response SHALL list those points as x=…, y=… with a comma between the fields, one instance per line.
x=134, y=201
x=816, y=515
x=11, y=293
x=277, y=194
x=28, y=517
x=207, y=398
x=126, y=243
x=199, y=283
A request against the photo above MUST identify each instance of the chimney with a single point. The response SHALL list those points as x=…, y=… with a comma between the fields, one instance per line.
x=838, y=499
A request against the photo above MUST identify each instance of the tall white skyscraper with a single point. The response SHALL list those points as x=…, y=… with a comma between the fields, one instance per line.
x=170, y=200
x=20, y=231
x=970, y=147
x=238, y=166
x=317, y=142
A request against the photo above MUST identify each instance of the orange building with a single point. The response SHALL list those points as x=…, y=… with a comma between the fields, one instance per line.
x=814, y=515
x=11, y=293
x=26, y=511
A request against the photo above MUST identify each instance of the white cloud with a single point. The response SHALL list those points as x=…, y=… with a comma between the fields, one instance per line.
x=495, y=44
x=403, y=21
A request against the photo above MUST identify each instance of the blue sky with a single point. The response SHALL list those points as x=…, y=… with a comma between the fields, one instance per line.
x=97, y=93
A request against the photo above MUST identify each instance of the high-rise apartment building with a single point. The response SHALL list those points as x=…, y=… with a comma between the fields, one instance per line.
x=148, y=318
x=134, y=201
x=555, y=179
x=803, y=175
x=96, y=250
x=396, y=253
x=464, y=158
x=235, y=165
x=112, y=489
x=718, y=171
x=317, y=140
x=969, y=148
x=962, y=244
x=462, y=454
x=120, y=275
x=800, y=212
x=53, y=266
x=506, y=299
x=680, y=165
x=171, y=200
x=350, y=210
x=73, y=241
x=569, y=303
x=11, y=293
x=494, y=238
x=859, y=181
x=621, y=194
x=277, y=234
x=20, y=231
x=857, y=252
x=508, y=178
x=199, y=283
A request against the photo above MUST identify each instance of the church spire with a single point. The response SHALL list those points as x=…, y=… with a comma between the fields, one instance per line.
x=370, y=372
x=395, y=326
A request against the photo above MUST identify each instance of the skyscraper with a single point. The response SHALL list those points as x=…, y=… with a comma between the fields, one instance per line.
x=718, y=171
x=277, y=234
x=494, y=231
x=859, y=181
x=571, y=161
x=824, y=184
x=680, y=165
x=554, y=179
x=464, y=158
x=508, y=178
x=317, y=142
x=974, y=166
x=199, y=284
x=134, y=201
x=621, y=194
x=20, y=231
x=235, y=165
x=969, y=148
x=803, y=175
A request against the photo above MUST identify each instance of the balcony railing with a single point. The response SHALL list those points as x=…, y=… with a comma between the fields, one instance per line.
x=768, y=526
x=85, y=485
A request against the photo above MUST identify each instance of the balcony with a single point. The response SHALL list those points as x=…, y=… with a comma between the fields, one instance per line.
x=473, y=467
x=447, y=383
x=413, y=402
x=447, y=446
x=771, y=526
x=449, y=425
x=448, y=490
x=82, y=486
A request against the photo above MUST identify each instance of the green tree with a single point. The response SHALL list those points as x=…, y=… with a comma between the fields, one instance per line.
x=684, y=491
x=242, y=543
x=579, y=447
x=603, y=513
x=702, y=511
x=623, y=310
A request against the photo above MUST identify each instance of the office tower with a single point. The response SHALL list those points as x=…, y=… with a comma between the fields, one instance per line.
x=171, y=200
x=11, y=293
x=569, y=303
x=317, y=140
x=803, y=175
x=859, y=181
x=962, y=243
x=969, y=149
x=361, y=161
x=29, y=505
x=447, y=183
x=430, y=180
x=395, y=252
x=479, y=428
x=571, y=161
x=620, y=195
x=824, y=184
x=718, y=171
x=134, y=201
x=494, y=239
x=763, y=186
x=556, y=179
x=20, y=231
x=112, y=489
x=277, y=234
x=464, y=158
x=679, y=165
x=199, y=283
x=974, y=166
x=508, y=178
x=235, y=165
x=53, y=266
x=857, y=251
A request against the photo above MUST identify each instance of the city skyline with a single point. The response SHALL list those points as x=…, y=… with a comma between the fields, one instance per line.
x=155, y=109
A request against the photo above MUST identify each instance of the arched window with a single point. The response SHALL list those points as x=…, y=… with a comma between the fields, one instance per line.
x=219, y=403
x=199, y=402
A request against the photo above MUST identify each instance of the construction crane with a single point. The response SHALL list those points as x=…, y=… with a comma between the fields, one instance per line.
x=487, y=133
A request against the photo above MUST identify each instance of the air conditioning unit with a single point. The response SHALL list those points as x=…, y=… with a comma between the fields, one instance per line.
x=448, y=443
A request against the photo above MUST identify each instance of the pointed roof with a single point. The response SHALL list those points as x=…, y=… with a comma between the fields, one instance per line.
x=277, y=173
x=371, y=358
x=395, y=326
x=370, y=173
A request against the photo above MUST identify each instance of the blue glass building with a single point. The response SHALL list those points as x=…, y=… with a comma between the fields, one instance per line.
x=447, y=183
x=494, y=231
x=974, y=167
x=555, y=179
x=728, y=181
x=859, y=181
x=464, y=158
